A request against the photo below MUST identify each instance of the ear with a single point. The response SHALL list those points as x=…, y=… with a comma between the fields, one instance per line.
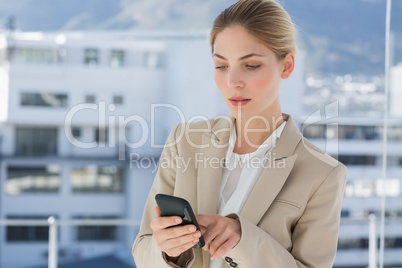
x=288, y=65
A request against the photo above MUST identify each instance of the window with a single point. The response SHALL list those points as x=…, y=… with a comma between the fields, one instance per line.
x=36, y=141
x=107, y=179
x=91, y=57
x=118, y=99
x=44, y=100
x=364, y=160
x=369, y=187
x=101, y=135
x=117, y=58
x=152, y=59
x=345, y=213
x=358, y=132
x=353, y=243
x=32, y=179
x=90, y=99
x=76, y=132
x=362, y=243
x=97, y=233
x=314, y=131
x=395, y=133
x=28, y=233
x=32, y=55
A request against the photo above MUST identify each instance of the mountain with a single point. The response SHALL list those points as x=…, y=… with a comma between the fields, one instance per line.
x=343, y=36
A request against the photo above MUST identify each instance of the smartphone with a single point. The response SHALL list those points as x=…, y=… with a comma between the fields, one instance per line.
x=175, y=206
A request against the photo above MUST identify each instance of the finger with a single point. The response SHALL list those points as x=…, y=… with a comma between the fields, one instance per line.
x=223, y=249
x=217, y=242
x=175, y=232
x=176, y=251
x=165, y=222
x=209, y=235
x=157, y=211
x=180, y=240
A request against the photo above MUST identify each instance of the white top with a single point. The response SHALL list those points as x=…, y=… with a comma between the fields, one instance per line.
x=243, y=170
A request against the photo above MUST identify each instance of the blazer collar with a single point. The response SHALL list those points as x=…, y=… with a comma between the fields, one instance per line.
x=285, y=145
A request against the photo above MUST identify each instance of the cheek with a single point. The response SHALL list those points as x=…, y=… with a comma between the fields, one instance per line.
x=263, y=80
x=220, y=81
x=268, y=83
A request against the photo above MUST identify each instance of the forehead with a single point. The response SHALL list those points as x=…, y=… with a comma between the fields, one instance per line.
x=237, y=41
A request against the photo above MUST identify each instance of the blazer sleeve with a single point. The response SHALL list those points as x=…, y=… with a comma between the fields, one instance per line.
x=145, y=251
x=314, y=237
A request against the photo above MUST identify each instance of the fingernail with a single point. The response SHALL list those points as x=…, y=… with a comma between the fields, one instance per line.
x=177, y=220
x=191, y=228
x=197, y=234
x=195, y=241
x=212, y=258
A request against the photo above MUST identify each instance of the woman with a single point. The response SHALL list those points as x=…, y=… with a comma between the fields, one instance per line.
x=264, y=195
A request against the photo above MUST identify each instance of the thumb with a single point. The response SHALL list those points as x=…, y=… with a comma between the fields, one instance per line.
x=157, y=211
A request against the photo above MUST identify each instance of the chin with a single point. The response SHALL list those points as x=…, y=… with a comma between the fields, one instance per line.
x=242, y=115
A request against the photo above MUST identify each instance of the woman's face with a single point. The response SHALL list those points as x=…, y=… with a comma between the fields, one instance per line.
x=247, y=74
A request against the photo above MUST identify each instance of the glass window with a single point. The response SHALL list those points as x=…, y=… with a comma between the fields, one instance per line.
x=365, y=160
x=36, y=141
x=118, y=99
x=345, y=213
x=32, y=55
x=395, y=133
x=76, y=131
x=94, y=179
x=91, y=57
x=90, y=99
x=101, y=135
x=96, y=232
x=314, y=131
x=370, y=187
x=152, y=59
x=28, y=233
x=44, y=100
x=362, y=243
x=117, y=58
x=32, y=179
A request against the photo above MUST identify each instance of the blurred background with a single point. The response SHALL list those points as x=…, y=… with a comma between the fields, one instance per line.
x=89, y=91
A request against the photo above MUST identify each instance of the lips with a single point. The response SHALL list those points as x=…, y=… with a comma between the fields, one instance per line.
x=239, y=100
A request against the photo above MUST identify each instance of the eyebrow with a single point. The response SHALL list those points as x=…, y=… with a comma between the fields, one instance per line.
x=241, y=58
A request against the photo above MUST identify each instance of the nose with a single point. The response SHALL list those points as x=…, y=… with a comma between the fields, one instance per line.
x=234, y=79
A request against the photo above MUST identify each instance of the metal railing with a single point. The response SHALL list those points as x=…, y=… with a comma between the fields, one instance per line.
x=53, y=223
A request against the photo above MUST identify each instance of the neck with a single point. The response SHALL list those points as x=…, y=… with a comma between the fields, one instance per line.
x=252, y=132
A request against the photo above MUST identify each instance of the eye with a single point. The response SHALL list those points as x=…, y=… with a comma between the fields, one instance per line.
x=224, y=67
x=252, y=67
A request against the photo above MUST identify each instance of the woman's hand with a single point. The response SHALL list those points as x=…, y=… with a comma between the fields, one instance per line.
x=221, y=233
x=175, y=240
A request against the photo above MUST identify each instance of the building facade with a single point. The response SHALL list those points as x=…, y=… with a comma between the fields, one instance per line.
x=83, y=119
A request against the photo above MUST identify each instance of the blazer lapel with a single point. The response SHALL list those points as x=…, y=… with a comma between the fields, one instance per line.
x=267, y=187
x=274, y=175
x=209, y=165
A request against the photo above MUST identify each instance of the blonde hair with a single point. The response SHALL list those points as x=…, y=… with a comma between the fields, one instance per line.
x=266, y=20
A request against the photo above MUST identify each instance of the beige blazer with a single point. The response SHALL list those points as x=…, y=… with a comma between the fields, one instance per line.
x=290, y=219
